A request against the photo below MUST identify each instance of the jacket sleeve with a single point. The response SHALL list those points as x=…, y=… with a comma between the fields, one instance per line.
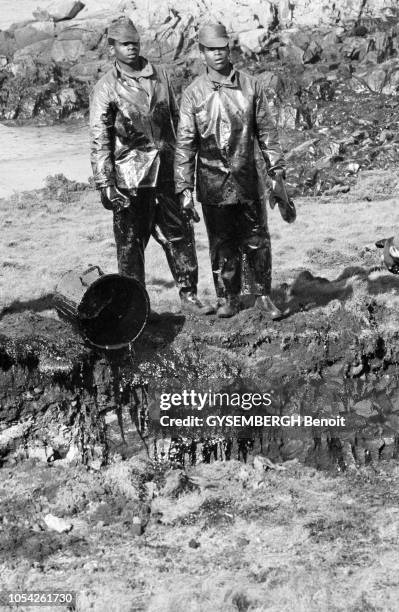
x=186, y=146
x=173, y=106
x=266, y=132
x=101, y=136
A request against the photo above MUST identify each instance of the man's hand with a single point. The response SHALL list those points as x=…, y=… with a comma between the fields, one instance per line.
x=280, y=196
x=187, y=205
x=113, y=199
x=278, y=192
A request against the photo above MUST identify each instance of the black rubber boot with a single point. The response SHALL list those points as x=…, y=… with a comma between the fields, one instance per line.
x=191, y=303
x=265, y=304
x=153, y=316
x=229, y=307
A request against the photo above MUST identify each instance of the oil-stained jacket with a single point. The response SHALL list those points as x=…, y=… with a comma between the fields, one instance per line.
x=133, y=128
x=221, y=122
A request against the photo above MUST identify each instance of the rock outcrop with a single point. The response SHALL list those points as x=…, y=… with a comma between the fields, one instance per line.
x=329, y=70
x=59, y=10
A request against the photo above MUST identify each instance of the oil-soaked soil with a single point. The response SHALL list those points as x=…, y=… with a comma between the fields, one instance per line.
x=61, y=400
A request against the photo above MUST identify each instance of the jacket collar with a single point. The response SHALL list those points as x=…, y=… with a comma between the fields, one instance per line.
x=230, y=81
x=146, y=71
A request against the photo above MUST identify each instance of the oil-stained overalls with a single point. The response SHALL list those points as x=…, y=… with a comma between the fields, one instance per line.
x=218, y=126
x=133, y=131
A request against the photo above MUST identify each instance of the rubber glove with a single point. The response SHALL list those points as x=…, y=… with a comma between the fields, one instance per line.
x=113, y=199
x=187, y=205
x=280, y=196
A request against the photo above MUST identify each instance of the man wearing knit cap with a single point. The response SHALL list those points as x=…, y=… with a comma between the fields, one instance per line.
x=133, y=120
x=223, y=112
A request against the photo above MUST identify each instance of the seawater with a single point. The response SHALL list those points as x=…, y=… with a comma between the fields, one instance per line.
x=29, y=154
x=13, y=11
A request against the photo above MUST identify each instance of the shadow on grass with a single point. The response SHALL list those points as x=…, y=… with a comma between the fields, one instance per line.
x=161, y=331
x=161, y=282
x=309, y=291
x=46, y=302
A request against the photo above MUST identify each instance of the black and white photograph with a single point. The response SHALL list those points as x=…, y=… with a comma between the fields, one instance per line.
x=199, y=305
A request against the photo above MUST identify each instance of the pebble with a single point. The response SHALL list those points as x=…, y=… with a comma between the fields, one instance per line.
x=150, y=489
x=57, y=524
x=136, y=527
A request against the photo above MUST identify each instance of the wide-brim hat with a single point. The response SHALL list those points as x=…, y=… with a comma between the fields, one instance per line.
x=213, y=35
x=123, y=30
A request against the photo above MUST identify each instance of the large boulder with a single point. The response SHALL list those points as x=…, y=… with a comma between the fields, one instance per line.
x=331, y=55
x=306, y=148
x=40, y=49
x=67, y=50
x=146, y=17
x=64, y=9
x=374, y=79
x=380, y=78
x=291, y=54
x=24, y=67
x=245, y=16
x=295, y=36
x=312, y=53
x=381, y=44
x=33, y=33
x=391, y=85
x=89, y=72
x=172, y=40
x=333, y=37
x=355, y=48
x=317, y=85
x=7, y=44
x=90, y=33
x=252, y=40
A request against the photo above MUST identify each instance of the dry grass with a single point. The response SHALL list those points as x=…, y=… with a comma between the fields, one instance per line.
x=45, y=237
x=375, y=185
x=298, y=540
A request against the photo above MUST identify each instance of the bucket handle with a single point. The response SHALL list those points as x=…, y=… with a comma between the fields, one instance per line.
x=88, y=277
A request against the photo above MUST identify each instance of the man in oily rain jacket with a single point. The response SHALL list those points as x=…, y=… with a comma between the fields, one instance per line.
x=133, y=120
x=222, y=113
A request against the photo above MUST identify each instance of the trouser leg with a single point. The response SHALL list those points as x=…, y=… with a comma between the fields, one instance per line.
x=176, y=236
x=255, y=243
x=223, y=248
x=132, y=230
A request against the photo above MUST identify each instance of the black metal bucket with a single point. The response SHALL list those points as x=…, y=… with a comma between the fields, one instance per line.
x=110, y=310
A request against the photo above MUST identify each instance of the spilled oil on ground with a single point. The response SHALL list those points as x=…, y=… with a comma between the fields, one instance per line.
x=335, y=354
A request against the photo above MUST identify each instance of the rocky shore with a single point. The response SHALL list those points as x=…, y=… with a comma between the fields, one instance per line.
x=332, y=73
